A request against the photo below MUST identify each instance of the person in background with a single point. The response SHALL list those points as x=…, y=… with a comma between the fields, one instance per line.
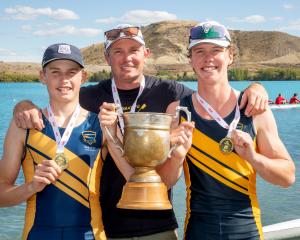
x=280, y=99
x=294, y=99
x=62, y=162
x=228, y=147
x=126, y=54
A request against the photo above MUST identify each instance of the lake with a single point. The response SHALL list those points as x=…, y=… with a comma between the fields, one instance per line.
x=276, y=204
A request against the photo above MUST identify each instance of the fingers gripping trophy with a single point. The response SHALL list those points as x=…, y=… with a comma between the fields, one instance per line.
x=146, y=145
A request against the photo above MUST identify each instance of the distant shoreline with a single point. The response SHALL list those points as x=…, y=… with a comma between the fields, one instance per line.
x=179, y=80
x=234, y=74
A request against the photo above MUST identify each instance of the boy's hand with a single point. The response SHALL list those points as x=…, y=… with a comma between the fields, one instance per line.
x=45, y=173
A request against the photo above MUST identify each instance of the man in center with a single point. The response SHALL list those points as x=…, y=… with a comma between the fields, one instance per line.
x=126, y=53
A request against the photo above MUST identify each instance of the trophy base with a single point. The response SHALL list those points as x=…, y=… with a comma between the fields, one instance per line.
x=144, y=196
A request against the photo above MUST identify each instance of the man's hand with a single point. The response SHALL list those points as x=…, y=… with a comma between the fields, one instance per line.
x=256, y=98
x=108, y=120
x=27, y=115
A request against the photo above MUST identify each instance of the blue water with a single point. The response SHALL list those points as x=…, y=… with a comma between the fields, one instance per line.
x=276, y=204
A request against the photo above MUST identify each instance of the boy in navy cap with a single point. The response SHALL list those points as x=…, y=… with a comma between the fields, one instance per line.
x=61, y=163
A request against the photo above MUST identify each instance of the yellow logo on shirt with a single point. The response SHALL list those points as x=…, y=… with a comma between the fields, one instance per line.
x=89, y=137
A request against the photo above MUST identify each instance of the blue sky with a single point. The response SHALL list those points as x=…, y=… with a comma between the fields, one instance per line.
x=28, y=27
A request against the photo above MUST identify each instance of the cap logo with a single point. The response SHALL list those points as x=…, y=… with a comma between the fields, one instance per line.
x=64, y=49
x=206, y=28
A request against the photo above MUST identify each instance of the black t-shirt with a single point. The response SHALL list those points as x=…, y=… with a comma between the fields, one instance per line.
x=156, y=97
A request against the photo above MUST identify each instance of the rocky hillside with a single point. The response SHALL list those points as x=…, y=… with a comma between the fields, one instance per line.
x=168, y=41
x=263, y=46
x=18, y=67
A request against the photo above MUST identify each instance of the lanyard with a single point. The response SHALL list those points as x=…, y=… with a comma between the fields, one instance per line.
x=217, y=117
x=62, y=140
x=118, y=101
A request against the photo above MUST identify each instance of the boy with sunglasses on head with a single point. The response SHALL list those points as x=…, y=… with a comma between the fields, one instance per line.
x=228, y=147
x=126, y=53
x=62, y=162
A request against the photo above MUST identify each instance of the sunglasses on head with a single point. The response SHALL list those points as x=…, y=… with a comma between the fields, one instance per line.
x=212, y=32
x=116, y=33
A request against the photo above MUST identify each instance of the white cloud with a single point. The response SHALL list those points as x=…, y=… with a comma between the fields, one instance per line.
x=47, y=25
x=253, y=19
x=62, y=14
x=7, y=55
x=26, y=28
x=294, y=25
x=288, y=6
x=277, y=18
x=140, y=17
x=68, y=30
x=107, y=20
x=6, y=52
x=29, y=13
x=146, y=17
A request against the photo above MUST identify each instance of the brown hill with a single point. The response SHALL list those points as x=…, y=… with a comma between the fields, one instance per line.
x=262, y=46
x=288, y=60
x=168, y=41
x=18, y=67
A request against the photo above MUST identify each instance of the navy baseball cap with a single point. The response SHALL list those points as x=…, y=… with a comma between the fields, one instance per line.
x=61, y=51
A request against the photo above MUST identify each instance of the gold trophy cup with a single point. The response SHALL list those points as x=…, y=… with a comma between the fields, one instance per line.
x=146, y=145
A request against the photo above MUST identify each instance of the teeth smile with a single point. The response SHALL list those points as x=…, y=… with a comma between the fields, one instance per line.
x=64, y=88
x=209, y=68
x=126, y=67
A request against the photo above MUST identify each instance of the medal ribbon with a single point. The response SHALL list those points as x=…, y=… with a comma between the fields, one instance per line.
x=118, y=101
x=62, y=140
x=217, y=117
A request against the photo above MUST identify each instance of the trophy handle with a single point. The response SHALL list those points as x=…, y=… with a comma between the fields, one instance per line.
x=188, y=118
x=184, y=109
x=115, y=140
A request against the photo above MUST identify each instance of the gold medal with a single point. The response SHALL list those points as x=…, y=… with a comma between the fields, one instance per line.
x=226, y=145
x=61, y=160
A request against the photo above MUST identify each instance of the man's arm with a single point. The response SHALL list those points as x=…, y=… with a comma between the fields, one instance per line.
x=272, y=161
x=108, y=122
x=122, y=164
x=45, y=173
x=255, y=99
x=27, y=115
